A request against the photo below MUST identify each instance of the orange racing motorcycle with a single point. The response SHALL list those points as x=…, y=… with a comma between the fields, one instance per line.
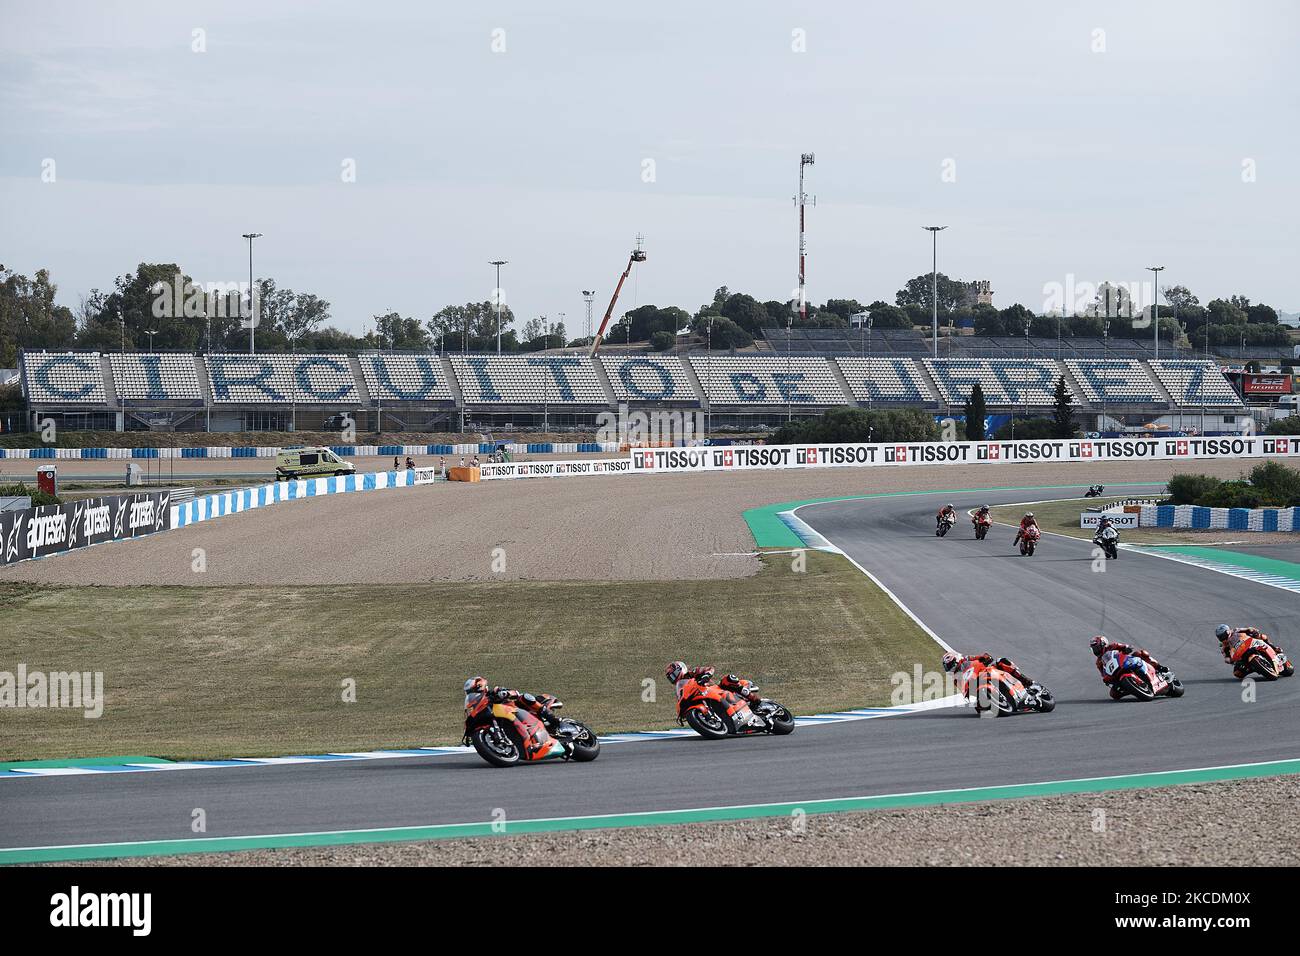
x=993, y=689
x=505, y=734
x=714, y=712
x=1255, y=655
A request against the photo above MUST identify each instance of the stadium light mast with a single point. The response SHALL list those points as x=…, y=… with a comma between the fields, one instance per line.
x=1155, y=303
x=589, y=297
x=934, y=284
x=252, y=296
x=805, y=159
x=497, y=295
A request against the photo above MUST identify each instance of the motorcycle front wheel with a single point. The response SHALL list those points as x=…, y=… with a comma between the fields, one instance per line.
x=585, y=746
x=1137, y=687
x=494, y=746
x=782, y=722
x=706, y=723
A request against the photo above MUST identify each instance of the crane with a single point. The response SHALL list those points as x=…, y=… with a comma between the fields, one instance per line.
x=638, y=255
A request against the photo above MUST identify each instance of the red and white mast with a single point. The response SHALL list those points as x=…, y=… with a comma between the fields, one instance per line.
x=805, y=159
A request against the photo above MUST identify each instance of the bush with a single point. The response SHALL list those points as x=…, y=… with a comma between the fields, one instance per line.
x=1277, y=484
x=860, y=425
x=1190, y=489
x=39, y=498
x=1237, y=493
x=1027, y=429
x=662, y=341
x=1284, y=426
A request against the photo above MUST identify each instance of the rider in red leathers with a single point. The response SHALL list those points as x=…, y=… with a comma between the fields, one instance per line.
x=957, y=663
x=677, y=673
x=1026, y=523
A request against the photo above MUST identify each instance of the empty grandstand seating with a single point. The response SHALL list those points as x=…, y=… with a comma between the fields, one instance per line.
x=1121, y=381
x=561, y=379
x=260, y=379
x=405, y=378
x=155, y=376
x=1003, y=381
x=648, y=378
x=58, y=377
x=1193, y=382
x=767, y=380
x=884, y=379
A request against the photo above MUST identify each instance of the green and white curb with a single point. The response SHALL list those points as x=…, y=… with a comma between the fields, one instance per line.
x=450, y=831
x=1248, y=567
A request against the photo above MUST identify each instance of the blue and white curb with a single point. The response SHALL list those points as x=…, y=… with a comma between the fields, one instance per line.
x=815, y=720
x=806, y=533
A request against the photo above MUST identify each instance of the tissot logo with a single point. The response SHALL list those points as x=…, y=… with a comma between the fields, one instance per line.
x=812, y=456
x=1182, y=448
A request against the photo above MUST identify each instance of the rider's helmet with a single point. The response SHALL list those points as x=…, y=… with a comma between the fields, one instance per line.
x=1029, y=514
x=1222, y=632
x=984, y=507
x=675, y=671
x=476, y=685
x=1098, y=644
x=951, y=662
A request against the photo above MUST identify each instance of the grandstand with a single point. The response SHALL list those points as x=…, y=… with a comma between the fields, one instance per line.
x=234, y=392
x=646, y=378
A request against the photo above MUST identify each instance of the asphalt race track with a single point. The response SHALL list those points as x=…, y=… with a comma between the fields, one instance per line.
x=1041, y=611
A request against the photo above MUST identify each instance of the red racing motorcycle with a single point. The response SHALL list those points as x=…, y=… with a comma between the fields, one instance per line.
x=1130, y=676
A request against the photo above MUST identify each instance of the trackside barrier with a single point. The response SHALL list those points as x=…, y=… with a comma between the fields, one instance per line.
x=245, y=499
x=270, y=451
x=1077, y=451
x=555, y=469
x=1228, y=519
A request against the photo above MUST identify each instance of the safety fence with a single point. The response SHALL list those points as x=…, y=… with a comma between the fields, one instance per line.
x=1228, y=519
x=359, y=451
x=54, y=529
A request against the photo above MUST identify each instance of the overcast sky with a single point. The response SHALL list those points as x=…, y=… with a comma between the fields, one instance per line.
x=1087, y=139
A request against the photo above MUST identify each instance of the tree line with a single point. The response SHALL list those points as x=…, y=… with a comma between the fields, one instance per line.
x=159, y=306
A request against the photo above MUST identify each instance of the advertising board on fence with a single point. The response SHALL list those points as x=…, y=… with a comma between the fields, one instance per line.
x=53, y=529
x=555, y=469
x=1120, y=519
x=1081, y=451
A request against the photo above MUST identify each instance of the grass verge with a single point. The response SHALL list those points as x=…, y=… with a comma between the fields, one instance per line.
x=250, y=671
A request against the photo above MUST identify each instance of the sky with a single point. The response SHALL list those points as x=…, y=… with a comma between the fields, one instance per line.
x=1060, y=143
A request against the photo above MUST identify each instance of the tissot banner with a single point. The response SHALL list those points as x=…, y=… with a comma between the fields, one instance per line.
x=53, y=529
x=756, y=457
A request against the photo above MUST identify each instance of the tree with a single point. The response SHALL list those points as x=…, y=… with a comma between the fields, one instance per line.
x=29, y=317
x=1180, y=299
x=952, y=293
x=886, y=316
x=1284, y=426
x=1014, y=318
x=662, y=341
x=975, y=412
x=1062, y=412
x=393, y=332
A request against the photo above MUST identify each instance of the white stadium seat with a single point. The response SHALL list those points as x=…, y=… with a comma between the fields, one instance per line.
x=64, y=377
x=767, y=380
x=1195, y=382
x=531, y=379
x=648, y=378
x=1114, y=380
x=884, y=379
x=281, y=379
x=404, y=378
x=1007, y=381
x=155, y=376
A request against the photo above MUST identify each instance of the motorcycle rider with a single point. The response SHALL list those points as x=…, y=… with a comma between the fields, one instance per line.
x=946, y=513
x=505, y=695
x=1100, y=645
x=955, y=664
x=1106, y=531
x=1027, y=522
x=981, y=515
x=1230, y=639
x=678, y=674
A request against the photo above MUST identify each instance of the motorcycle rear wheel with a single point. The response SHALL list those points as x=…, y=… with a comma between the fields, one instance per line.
x=707, y=724
x=491, y=749
x=1262, y=666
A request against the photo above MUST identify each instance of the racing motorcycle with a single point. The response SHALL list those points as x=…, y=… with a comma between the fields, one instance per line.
x=1108, y=540
x=714, y=713
x=1130, y=675
x=993, y=689
x=1094, y=491
x=1029, y=540
x=982, y=524
x=945, y=525
x=1257, y=656
x=505, y=734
